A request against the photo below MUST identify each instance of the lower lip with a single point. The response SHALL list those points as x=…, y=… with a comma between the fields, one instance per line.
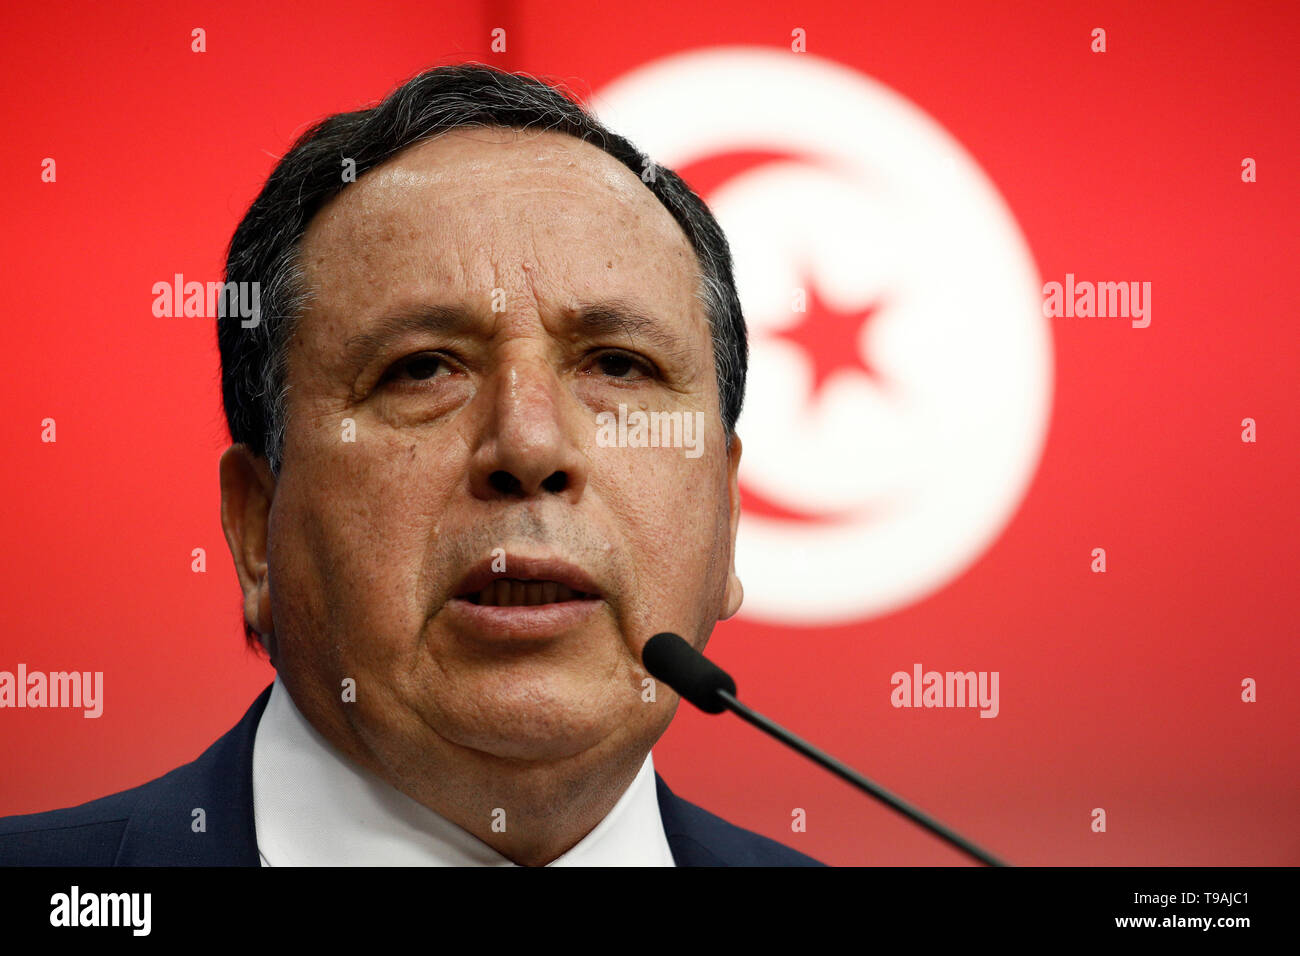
x=520, y=623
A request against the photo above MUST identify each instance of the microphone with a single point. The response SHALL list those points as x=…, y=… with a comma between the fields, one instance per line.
x=678, y=664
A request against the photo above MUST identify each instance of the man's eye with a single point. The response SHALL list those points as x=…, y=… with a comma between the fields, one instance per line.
x=623, y=365
x=426, y=365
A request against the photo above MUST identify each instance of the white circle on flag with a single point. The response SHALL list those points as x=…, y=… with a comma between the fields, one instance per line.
x=892, y=474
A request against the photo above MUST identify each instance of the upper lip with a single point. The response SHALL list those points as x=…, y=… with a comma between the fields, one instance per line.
x=526, y=569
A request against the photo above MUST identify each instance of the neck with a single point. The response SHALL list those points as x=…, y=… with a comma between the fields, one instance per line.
x=529, y=814
x=529, y=811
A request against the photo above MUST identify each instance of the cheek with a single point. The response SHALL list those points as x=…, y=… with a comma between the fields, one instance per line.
x=352, y=528
x=673, y=513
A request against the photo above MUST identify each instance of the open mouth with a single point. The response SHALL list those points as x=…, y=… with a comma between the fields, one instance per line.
x=513, y=592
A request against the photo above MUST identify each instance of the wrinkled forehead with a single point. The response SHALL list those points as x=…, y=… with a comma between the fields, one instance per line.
x=485, y=208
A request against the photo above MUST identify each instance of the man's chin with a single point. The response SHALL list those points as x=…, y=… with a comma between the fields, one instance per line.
x=530, y=733
x=551, y=750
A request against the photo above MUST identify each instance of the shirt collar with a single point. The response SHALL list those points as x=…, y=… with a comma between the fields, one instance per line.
x=313, y=806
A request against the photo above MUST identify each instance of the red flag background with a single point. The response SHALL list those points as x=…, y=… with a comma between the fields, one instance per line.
x=935, y=463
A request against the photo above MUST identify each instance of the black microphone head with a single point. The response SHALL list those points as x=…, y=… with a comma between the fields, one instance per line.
x=674, y=661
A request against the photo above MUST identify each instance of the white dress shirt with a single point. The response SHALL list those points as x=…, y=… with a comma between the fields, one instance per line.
x=313, y=806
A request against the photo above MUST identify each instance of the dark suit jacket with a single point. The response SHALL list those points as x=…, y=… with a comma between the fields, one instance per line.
x=149, y=825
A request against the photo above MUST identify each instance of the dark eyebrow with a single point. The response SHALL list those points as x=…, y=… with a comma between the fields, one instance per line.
x=618, y=317
x=606, y=319
x=359, y=348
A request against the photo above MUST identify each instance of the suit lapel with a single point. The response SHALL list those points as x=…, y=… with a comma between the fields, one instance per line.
x=684, y=838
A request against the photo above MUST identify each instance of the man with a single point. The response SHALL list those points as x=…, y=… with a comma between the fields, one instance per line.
x=451, y=557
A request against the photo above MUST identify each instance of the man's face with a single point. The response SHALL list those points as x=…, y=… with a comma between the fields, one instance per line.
x=444, y=386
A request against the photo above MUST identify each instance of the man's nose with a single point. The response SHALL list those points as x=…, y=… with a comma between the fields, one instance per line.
x=527, y=446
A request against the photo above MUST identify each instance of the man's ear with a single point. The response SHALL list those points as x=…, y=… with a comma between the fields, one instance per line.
x=735, y=592
x=247, y=487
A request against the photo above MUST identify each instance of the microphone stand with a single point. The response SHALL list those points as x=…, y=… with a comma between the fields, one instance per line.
x=858, y=780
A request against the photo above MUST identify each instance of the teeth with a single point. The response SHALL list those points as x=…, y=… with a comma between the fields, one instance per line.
x=510, y=593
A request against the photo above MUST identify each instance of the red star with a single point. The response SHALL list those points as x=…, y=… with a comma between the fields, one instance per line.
x=830, y=339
